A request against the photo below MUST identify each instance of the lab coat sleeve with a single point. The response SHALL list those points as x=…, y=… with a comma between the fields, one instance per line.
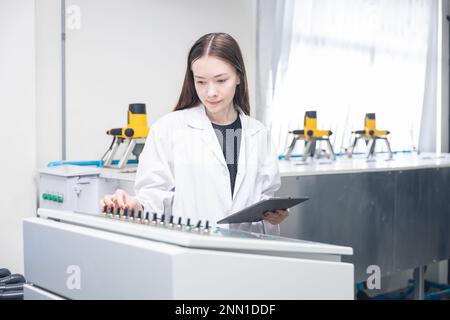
x=154, y=185
x=271, y=182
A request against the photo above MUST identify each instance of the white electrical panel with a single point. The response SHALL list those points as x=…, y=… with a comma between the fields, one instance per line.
x=74, y=188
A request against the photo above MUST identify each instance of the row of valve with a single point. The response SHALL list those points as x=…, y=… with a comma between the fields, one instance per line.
x=154, y=220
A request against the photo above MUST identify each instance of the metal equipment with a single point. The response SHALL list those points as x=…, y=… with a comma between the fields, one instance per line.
x=310, y=134
x=75, y=188
x=135, y=134
x=370, y=135
x=77, y=256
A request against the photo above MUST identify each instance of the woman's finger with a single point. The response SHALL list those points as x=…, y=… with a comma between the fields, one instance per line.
x=269, y=214
x=284, y=213
x=120, y=199
x=109, y=201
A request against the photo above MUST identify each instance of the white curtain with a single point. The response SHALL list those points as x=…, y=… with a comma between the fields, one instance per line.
x=347, y=58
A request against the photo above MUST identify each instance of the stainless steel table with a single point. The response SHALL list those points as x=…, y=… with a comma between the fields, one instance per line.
x=394, y=214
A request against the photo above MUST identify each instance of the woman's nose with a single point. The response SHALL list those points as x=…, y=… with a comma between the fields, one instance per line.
x=212, y=92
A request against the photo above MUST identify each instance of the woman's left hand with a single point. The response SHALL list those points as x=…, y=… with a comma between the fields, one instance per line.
x=276, y=217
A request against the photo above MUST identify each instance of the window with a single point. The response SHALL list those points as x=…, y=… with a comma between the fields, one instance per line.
x=352, y=57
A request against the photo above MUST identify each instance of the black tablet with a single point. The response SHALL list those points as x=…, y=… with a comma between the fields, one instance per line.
x=255, y=212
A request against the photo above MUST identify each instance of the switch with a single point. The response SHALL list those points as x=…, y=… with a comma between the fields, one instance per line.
x=179, y=226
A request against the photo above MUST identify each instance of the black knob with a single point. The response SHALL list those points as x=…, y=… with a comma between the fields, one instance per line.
x=171, y=219
x=125, y=212
x=199, y=223
x=188, y=223
x=105, y=209
x=11, y=295
x=139, y=215
x=11, y=287
x=111, y=209
x=146, y=215
x=155, y=216
x=14, y=278
x=163, y=218
x=4, y=273
x=132, y=213
x=129, y=132
x=179, y=220
x=118, y=211
x=207, y=225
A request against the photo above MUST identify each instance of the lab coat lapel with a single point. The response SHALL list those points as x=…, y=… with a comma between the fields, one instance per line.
x=210, y=139
x=247, y=143
x=197, y=118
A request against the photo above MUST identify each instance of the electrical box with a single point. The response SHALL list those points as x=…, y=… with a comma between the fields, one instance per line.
x=74, y=188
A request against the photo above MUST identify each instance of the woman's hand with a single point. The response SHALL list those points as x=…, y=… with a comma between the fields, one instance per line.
x=276, y=217
x=120, y=200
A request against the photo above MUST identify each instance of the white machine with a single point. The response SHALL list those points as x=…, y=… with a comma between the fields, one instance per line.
x=78, y=256
x=74, y=188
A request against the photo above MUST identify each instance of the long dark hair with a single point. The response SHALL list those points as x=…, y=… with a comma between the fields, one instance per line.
x=222, y=46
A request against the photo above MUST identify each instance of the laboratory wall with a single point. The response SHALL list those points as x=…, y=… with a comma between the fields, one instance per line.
x=445, y=76
x=117, y=52
x=18, y=115
x=121, y=52
x=48, y=81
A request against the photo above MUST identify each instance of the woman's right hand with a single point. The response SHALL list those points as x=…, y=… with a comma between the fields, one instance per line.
x=119, y=200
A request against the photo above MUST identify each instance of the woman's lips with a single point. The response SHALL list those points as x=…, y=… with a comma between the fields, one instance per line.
x=213, y=103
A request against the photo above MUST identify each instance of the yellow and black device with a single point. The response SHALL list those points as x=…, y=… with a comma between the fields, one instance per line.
x=310, y=134
x=370, y=135
x=134, y=133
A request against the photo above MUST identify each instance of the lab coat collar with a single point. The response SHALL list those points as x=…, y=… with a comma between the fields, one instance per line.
x=196, y=118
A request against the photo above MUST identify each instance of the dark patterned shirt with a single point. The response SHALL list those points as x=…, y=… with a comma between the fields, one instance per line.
x=229, y=137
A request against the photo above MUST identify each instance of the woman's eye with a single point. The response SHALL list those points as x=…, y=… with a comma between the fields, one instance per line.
x=200, y=82
x=222, y=80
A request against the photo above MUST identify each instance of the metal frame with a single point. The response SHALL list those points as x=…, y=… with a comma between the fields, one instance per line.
x=63, y=82
x=397, y=220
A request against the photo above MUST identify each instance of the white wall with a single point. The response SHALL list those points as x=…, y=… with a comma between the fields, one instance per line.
x=48, y=81
x=17, y=107
x=445, y=76
x=103, y=72
x=136, y=51
x=125, y=51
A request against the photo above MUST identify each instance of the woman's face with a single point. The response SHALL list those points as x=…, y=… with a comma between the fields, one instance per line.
x=215, y=83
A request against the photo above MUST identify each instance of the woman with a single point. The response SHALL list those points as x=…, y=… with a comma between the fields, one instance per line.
x=208, y=158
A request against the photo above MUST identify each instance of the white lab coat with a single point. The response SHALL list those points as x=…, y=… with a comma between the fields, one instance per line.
x=182, y=170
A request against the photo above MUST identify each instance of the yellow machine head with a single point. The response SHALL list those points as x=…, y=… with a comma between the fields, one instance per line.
x=370, y=127
x=310, y=128
x=135, y=134
x=137, y=124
